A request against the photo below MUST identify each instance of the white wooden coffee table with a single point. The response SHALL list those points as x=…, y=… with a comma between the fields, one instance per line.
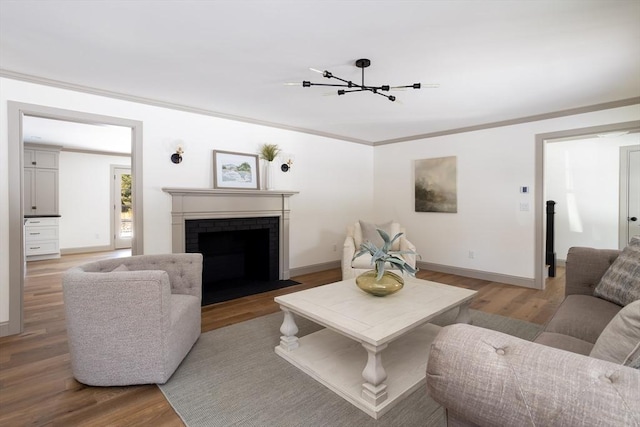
x=347, y=356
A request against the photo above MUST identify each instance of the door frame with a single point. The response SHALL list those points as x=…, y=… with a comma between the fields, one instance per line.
x=15, y=113
x=539, y=272
x=114, y=229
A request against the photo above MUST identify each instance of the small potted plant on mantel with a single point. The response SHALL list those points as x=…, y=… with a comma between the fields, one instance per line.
x=268, y=152
x=381, y=282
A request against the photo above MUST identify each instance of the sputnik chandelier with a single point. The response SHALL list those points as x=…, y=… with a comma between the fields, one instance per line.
x=354, y=87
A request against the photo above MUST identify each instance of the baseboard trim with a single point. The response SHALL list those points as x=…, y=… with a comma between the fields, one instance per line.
x=85, y=250
x=5, y=330
x=314, y=268
x=459, y=271
x=477, y=274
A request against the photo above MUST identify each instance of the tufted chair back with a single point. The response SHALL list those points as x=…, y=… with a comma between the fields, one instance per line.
x=184, y=270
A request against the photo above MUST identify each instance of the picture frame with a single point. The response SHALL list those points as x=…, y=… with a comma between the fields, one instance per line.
x=436, y=185
x=235, y=170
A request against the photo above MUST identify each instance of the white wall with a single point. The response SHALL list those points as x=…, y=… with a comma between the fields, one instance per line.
x=492, y=165
x=335, y=181
x=582, y=177
x=85, y=198
x=333, y=177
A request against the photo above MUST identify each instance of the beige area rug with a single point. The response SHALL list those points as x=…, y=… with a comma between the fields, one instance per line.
x=232, y=377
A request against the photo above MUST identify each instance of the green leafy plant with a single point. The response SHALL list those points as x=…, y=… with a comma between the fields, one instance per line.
x=269, y=152
x=383, y=255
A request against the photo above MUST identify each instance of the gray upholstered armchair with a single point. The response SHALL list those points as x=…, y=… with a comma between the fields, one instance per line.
x=362, y=231
x=132, y=320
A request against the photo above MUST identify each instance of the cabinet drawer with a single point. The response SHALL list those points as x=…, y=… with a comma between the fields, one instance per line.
x=41, y=222
x=46, y=247
x=40, y=233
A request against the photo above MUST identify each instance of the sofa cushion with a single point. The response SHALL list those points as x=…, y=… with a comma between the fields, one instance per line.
x=621, y=282
x=369, y=232
x=121, y=267
x=583, y=317
x=564, y=342
x=620, y=340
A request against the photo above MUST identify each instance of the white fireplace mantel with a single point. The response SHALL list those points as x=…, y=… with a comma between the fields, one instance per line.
x=206, y=203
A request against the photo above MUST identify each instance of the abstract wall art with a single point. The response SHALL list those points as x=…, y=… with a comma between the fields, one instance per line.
x=436, y=185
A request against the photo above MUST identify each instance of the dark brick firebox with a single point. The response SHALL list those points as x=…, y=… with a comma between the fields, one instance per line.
x=240, y=255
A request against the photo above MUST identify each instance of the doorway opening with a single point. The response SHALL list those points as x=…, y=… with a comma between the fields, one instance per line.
x=122, y=212
x=16, y=113
x=584, y=177
x=570, y=200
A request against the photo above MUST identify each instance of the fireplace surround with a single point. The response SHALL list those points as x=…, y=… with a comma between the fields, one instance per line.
x=195, y=203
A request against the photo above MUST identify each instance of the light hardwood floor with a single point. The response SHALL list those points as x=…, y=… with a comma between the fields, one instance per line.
x=37, y=388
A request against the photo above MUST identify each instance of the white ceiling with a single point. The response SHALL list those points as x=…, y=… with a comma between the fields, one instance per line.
x=494, y=60
x=76, y=136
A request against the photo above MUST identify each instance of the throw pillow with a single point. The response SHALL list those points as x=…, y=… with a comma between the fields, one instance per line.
x=370, y=233
x=620, y=284
x=635, y=363
x=121, y=267
x=619, y=342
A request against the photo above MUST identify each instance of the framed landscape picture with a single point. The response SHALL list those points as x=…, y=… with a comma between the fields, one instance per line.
x=235, y=170
x=436, y=185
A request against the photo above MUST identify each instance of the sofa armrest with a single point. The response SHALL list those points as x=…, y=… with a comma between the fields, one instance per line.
x=585, y=267
x=492, y=379
x=348, y=251
x=406, y=245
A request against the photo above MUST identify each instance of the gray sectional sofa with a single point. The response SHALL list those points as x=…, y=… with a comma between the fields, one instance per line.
x=573, y=374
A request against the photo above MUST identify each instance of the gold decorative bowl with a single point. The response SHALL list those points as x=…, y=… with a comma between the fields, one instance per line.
x=388, y=284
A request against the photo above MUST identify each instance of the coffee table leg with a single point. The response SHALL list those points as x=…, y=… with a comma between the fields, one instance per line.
x=374, y=390
x=463, y=313
x=289, y=329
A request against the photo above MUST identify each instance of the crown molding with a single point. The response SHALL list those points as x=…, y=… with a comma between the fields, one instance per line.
x=180, y=107
x=517, y=121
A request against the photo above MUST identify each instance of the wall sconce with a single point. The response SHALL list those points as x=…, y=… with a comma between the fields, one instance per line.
x=177, y=156
x=287, y=162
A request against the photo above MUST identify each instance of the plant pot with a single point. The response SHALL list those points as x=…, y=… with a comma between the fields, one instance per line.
x=388, y=284
x=268, y=176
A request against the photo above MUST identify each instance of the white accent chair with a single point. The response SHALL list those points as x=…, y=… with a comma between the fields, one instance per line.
x=362, y=231
x=132, y=320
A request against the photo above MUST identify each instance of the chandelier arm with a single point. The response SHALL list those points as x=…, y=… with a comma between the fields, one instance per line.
x=389, y=97
x=327, y=84
x=414, y=86
x=355, y=90
x=348, y=82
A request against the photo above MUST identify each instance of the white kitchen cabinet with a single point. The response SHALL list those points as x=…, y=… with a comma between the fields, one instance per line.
x=41, y=238
x=41, y=180
x=43, y=157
